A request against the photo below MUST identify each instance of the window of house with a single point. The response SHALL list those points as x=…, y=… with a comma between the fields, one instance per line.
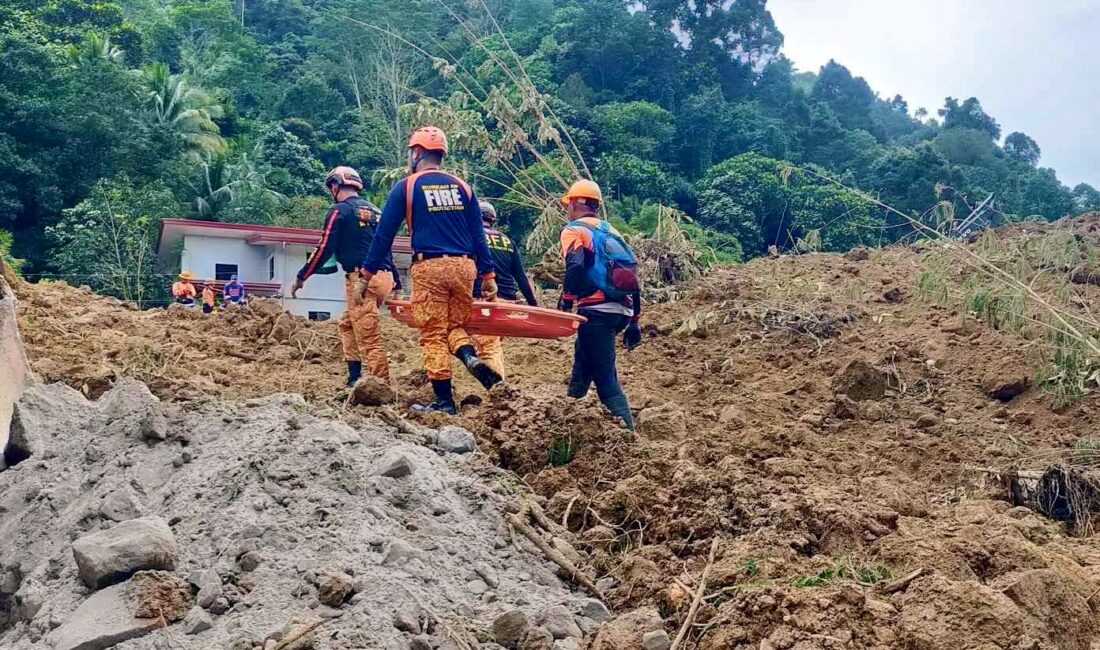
x=319, y=315
x=224, y=272
x=271, y=268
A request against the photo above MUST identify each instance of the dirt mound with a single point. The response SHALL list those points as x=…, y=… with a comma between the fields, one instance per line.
x=275, y=507
x=836, y=426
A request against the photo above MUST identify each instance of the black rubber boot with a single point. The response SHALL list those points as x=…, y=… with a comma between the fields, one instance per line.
x=621, y=408
x=478, y=368
x=444, y=401
x=355, y=371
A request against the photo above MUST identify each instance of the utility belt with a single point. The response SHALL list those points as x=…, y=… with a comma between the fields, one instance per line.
x=421, y=257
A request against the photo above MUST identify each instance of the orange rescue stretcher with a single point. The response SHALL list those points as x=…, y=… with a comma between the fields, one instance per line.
x=506, y=319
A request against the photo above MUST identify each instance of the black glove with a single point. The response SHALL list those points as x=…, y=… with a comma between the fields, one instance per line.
x=632, y=336
x=564, y=304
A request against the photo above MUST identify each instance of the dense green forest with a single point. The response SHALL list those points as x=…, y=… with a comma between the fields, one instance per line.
x=115, y=113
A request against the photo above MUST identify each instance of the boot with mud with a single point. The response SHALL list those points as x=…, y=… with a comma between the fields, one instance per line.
x=444, y=401
x=478, y=368
x=620, y=407
x=355, y=371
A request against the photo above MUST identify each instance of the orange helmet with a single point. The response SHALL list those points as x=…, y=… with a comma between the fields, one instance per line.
x=583, y=189
x=187, y=275
x=344, y=176
x=431, y=138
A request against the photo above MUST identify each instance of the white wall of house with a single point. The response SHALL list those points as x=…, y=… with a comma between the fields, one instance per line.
x=274, y=263
x=321, y=293
x=201, y=255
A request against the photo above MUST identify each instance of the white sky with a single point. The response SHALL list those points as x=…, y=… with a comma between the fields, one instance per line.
x=1034, y=64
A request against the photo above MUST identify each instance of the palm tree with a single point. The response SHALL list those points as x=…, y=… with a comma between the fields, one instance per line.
x=186, y=110
x=224, y=180
x=95, y=47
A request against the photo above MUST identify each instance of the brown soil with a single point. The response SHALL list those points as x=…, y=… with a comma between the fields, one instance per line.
x=835, y=432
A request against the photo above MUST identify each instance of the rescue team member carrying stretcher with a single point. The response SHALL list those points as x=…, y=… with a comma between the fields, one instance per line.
x=350, y=225
x=511, y=277
x=601, y=278
x=449, y=252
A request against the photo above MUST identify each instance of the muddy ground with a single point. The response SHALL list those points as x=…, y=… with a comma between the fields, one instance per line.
x=836, y=430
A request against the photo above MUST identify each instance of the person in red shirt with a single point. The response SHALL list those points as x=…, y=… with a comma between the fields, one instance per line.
x=443, y=218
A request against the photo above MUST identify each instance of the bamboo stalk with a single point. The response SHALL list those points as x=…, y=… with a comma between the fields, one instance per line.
x=694, y=609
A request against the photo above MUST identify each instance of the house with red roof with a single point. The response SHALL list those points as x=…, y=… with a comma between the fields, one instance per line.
x=264, y=258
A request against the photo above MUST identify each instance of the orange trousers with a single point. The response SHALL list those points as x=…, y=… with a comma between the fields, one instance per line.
x=442, y=298
x=491, y=351
x=360, y=330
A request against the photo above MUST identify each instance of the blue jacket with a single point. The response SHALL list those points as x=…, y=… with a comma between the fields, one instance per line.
x=346, y=235
x=233, y=291
x=443, y=218
x=511, y=277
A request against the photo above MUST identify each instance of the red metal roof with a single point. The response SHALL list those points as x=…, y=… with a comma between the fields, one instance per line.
x=257, y=235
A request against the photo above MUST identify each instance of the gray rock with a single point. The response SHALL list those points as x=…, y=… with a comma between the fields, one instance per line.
x=210, y=588
x=456, y=440
x=250, y=561
x=394, y=465
x=488, y=574
x=121, y=505
x=152, y=425
x=219, y=606
x=537, y=638
x=509, y=628
x=559, y=621
x=408, y=620
x=109, y=556
x=420, y=642
x=127, y=396
x=197, y=621
x=656, y=640
x=567, y=644
x=400, y=551
x=102, y=621
x=595, y=610
x=477, y=587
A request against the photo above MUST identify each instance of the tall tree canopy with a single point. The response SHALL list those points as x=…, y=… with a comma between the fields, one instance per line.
x=124, y=111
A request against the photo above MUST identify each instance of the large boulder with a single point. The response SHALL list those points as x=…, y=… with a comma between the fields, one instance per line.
x=109, y=556
x=627, y=631
x=104, y=620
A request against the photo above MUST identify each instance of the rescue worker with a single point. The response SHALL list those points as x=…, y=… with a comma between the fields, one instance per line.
x=594, y=350
x=511, y=278
x=183, y=291
x=443, y=218
x=233, y=291
x=350, y=224
x=207, y=298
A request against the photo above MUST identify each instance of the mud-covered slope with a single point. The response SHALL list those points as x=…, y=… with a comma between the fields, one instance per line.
x=831, y=425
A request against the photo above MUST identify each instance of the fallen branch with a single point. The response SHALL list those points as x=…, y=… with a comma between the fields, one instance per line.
x=460, y=639
x=694, y=609
x=240, y=355
x=299, y=632
x=903, y=582
x=403, y=425
x=553, y=554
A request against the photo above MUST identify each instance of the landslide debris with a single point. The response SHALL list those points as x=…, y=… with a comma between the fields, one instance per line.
x=848, y=438
x=248, y=523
